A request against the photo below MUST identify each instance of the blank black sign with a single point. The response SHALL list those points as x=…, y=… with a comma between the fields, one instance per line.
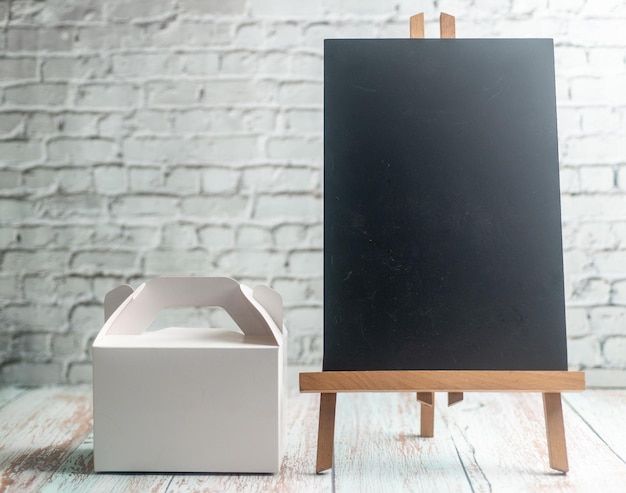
x=442, y=245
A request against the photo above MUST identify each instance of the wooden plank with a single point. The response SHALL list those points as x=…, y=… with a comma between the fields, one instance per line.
x=427, y=419
x=326, y=432
x=416, y=23
x=442, y=381
x=603, y=411
x=447, y=26
x=555, y=431
x=298, y=469
x=76, y=474
x=501, y=440
x=377, y=448
x=40, y=429
x=454, y=398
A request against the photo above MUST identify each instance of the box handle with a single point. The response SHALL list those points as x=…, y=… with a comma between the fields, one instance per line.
x=257, y=312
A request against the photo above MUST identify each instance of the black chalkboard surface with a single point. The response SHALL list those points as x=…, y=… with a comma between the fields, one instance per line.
x=442, y=232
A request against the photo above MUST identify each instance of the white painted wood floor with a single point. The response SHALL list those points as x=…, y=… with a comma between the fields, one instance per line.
x=490, y=442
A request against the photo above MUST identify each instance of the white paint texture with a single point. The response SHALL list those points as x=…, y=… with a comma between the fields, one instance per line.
x=185, y=137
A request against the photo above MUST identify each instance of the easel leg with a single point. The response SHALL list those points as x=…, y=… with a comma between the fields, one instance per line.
x=555, y=431
x=427, y=413
x=326, y=432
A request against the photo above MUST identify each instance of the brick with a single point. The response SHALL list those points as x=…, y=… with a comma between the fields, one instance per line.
x=614, y=350
x=295, y=149
x=305, y=121
x=101, y=38
x=72, y=180
x=78, y=124
x=72, y=206
x=216, y=207
x=222, y=92
x=248, y=262
x=121, y=10
x=181, y=92
x=12, y=125
x=80, y=373
x=199, y=63
x=566, y=6
x=597, y=32
x=110, y=180
x=607, y=320
x=140, y=236
x=73, y=287
x=606, y=60
x=145, y=179
x=103, y=284
x=238, y=63
x=202, y=120
x=144, y=65
x=72, y=67
x=219, y=180
x=35, y=236
x=39, y=39
x=249, y=36
x=621, y=177
x=283, y=35
x=301, y=93
x=80, y=150
x=15, y=209
x=596, y=236
x=253, y=236
x=601, y=90
x=10, y=179
x=20, y=151
x=215, y=237
x=186, y=32
x=179, y=236
x=86, y=319
x=197, y=263
x=570, y=60
x=56, y=11
x=234, y=148
x=212, y=7
x=8, y=288
x=37, y=344
x=41, y=124
x=584, y=352
x=578, y=322
x=47, y=94
x=291, y=290
x=307, y=263
x=274, y=62
x=259, y=121
x=69, y=344
x=170, y=150
x=305, y=349
x=590, y=206
x=286, y=9
x=31, y=374
x=105, y=261
x=41, y=177
x=304, y=207
x=18, y=68
x=290, y=235
x=596, y=178
x=605, y=149
x=148, y=122
x=306, y=318
x=599, y=120
x=101, y=95
x=618, y=293
x=71, y=236
x=588, y=292
x=182, y=181
x=278, y=179
x=144, y=205
x=35, y=317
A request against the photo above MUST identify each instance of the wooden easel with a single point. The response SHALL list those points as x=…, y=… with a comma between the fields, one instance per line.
x=426, y=382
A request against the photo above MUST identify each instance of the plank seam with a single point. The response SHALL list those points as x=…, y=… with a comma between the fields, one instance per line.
x=571, y=406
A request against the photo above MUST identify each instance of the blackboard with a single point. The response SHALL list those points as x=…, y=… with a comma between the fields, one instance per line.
x=442, y=224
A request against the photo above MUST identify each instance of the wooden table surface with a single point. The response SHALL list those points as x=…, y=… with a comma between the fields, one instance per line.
x=489, y=442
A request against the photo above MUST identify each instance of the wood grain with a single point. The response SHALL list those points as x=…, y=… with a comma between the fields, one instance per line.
x=555, y=431
x=326, y=432
x=442, y=381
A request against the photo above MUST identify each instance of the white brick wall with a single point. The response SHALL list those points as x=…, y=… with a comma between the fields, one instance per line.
x=150, y=137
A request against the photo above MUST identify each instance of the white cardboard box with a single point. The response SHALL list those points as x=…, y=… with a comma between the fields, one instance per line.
x=190, y=399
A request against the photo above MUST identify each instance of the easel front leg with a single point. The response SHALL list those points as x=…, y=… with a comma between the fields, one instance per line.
x=326, y=432
x=555, y=431
x=427, y=413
